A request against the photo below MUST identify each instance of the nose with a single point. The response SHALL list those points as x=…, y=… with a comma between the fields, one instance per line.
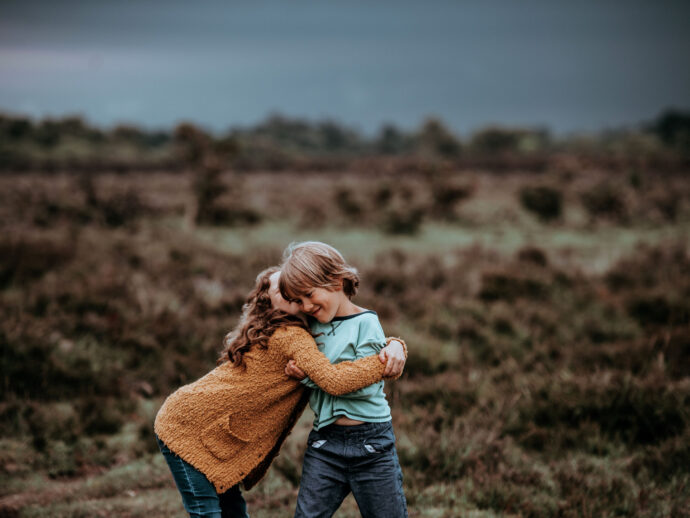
x=306, y=306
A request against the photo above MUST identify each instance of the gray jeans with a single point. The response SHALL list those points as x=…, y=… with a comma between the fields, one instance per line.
x=361, y=459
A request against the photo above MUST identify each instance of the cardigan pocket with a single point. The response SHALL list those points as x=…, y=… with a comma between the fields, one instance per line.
x=221, y=441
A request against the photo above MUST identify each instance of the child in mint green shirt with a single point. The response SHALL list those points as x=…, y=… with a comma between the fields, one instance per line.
x=349, y=338
x=352, y=445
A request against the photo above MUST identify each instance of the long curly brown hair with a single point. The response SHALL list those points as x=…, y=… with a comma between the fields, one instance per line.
x=258, y=322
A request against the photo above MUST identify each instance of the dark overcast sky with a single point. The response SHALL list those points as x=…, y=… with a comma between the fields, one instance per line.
x=569, y=65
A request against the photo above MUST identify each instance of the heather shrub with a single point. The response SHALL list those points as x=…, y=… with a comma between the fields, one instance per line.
x=532, y=254
x=666, y=202
x=446, y=194
x=418, y=364
x=545, y=202
x=51, y=213
x=540, y=380
x=399, y=218
x=28, y=257
x=604, y=200
x=403, y=213
x=348, y=204
x=511, y=286
x=121, y=208
x=312, y=215
x=207, y=188
x=675, y=347
x=658, y=310
x=441, y=391
x=668, y=459
x=633, y=412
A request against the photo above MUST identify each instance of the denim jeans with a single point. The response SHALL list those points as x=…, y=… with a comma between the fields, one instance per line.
x=198, y=494
x=361, y=459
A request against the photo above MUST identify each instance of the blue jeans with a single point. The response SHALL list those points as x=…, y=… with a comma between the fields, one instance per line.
x=198, y=494
x=361, y=459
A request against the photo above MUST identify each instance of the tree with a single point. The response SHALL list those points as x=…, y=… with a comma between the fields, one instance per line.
x=434, y=138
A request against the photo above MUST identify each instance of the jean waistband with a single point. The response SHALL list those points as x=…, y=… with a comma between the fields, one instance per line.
x=357, y=429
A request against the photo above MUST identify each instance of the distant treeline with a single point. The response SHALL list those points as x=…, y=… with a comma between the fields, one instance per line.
x=280, y=142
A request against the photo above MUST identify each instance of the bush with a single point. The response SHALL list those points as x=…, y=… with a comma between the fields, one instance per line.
x=29, y=257
x=667, y=203
x=207, y=188
x=650, y=310
x=605, y=201
x=402, y=219
x=121, y=209
x=673, y=128
x=509, y=287
x=545, y=202
x=346, y=201
x=533, y=255
x=495, y=140
x=435, y=139
x=634, y=412
x=446, y=194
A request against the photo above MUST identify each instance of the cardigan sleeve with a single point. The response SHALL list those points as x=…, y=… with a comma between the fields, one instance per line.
x=368, y=390
x=334, y=378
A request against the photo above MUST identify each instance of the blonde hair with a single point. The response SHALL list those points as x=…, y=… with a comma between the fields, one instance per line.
x=312, y=264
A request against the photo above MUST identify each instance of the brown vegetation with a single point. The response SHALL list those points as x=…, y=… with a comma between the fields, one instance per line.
x=542, y=380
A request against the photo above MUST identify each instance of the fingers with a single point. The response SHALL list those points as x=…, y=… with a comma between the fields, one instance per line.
x=390, y=366
x=388, y=371
x=394, y=367
x=398, y=367
x=393, y=355
x=293, y=371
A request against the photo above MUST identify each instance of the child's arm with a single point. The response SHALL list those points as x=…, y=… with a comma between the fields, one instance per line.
x=394, y=355
x=364, y=350
x=336, y=379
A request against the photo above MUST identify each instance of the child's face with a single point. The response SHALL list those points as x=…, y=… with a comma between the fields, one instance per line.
x=322, y=304
x=277, y=299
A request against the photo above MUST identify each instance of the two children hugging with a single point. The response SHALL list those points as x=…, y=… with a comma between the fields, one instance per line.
x=225, y=428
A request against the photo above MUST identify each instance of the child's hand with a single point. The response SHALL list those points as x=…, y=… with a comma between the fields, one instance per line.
x=394, y=355
x=293, y=371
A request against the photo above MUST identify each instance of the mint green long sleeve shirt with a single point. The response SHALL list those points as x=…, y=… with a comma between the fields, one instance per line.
x=342, y=339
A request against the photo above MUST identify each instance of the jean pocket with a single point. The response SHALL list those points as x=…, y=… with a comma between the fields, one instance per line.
x=379, y=443
x=315, y=439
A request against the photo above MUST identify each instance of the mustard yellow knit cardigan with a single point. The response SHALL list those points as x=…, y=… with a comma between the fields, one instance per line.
x=231, y=423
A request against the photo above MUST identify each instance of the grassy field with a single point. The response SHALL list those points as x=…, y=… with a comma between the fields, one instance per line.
x=548, y=319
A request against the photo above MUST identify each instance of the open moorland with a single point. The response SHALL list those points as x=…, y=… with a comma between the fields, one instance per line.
x=547, y=314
